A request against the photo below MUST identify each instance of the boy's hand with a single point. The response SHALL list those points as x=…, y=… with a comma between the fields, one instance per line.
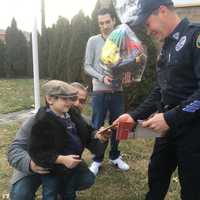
x=69, y=161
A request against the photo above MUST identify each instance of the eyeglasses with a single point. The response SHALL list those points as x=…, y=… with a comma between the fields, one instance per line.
x=82, y=100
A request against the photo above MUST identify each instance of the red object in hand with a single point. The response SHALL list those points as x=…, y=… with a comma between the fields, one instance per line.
x=123, y=130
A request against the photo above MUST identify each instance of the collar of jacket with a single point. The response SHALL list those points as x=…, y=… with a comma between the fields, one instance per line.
x=42, y=112
x=181, y=27
x=83, y=129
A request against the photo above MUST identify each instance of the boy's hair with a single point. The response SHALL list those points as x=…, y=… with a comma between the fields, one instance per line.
x=104, y=11
x=79, y=86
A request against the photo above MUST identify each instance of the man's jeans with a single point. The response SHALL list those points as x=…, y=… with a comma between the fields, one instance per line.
x=26, y=188
x=80, y=180
x=103, y=105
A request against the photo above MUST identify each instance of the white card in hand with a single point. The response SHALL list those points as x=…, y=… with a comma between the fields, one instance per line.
x=140, y=132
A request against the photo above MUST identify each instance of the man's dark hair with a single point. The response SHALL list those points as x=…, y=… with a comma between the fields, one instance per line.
x=104, y=11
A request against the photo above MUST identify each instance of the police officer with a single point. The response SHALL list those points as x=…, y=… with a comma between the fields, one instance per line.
x=173, y=107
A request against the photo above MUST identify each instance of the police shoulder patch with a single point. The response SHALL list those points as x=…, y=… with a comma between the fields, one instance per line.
x=198, y=42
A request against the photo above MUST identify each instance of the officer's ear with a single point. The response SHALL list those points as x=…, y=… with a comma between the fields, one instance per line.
x=163, y=10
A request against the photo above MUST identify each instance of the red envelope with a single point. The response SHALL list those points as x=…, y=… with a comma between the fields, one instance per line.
x=123, y=130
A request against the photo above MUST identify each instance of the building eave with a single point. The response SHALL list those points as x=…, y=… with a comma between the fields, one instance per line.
x=186, y=5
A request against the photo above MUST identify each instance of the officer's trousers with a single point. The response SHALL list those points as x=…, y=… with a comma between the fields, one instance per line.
x=181, y=148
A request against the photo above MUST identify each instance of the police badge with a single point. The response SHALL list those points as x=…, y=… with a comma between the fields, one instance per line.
x=198, y=42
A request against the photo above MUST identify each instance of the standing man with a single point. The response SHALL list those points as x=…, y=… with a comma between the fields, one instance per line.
x=106, y=100
x=176, y=97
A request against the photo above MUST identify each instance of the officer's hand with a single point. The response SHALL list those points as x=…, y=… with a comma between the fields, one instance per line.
x=124, y=118
x=37, y=169
x=69, y=161
x=107, y=80
x=156, y=123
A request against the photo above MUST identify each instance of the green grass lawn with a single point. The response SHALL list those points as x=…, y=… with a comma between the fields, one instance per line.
x=7, y=133
x=16, y=94
x=111, y=184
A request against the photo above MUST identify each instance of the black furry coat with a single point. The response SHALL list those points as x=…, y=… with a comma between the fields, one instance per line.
x=49, y=137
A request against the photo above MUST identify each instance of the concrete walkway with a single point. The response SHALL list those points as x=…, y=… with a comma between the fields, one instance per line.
x=15, y=116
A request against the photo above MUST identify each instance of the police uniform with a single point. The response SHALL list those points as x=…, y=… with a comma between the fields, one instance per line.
x=177, y=95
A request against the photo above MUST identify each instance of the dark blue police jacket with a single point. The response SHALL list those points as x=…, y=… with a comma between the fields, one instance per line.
x=178, y=78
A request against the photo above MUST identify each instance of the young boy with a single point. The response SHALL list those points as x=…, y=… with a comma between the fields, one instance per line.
x=57, y=140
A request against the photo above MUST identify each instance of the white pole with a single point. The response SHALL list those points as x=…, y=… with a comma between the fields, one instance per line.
x=35, y=66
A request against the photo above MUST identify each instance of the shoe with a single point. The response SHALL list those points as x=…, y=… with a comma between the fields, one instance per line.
x=120, y=164
x=94, y=167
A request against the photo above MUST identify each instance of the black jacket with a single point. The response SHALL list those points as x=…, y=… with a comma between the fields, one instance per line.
x=49, y=137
